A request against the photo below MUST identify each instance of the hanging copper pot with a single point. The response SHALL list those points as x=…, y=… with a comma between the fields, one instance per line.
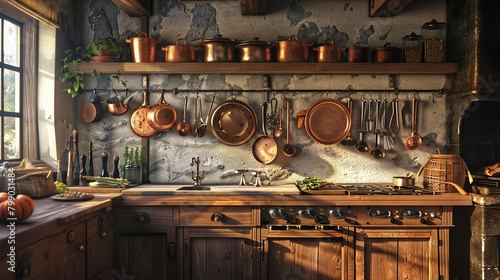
x=180, y=52
x=162, y=116
x=143, y=48
x=328, y=122
x=292, y=50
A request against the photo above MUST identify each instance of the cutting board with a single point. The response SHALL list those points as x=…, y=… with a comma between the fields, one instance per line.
x=330, y=189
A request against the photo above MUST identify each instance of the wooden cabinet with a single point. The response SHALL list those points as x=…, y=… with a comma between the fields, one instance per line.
x=397, y=254
x=99, y=246
x=67, y=253
x=32, y=262
x=295, y=254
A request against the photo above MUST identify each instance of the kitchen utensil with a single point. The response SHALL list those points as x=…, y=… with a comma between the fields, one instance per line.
x=357, y=53
x=348, y=140
x=388, y=142
x=301, y=115
x=414, y=141
x=117, y=107
x=288, y=149
x=202, y=129
x=370, y=120
x=255, y=51
x=273, y=117
x=180, y=52
x=329, y=53
x=183, y=128
x=143, y=48
x=264, y=148
x=403, y=181
x=139, y=119
x=90, y=111
x=377, y=153
x=218, y=49
x=233, y=122
x=394, y=122
x=162, y=117
x=279, y=130
x=195, y=129
x=362, y=146
x=386, y=54
x=292, y=50
x=327, y=122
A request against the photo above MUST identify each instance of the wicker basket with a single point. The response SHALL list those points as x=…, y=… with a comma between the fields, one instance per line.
x=443, y=168
x=36, y=184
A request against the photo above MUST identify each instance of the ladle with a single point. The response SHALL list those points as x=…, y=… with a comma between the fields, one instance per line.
x=348, y=140
x=279, y=130
x=378, y=153
x=362, y=146
x=183, y=128
x=288, y=149
x=414, y=141
x=195, y=129
x=202, y=129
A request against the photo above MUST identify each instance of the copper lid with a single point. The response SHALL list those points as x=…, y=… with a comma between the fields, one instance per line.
x=217, y=39
x=255, y=42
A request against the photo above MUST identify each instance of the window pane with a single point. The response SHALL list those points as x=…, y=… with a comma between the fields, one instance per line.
x=12, y=137
x=1, y=32
x=12, y=86
x=12, y=43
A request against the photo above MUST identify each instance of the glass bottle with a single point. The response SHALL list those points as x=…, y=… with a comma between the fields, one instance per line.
x=412, y=48
x=434, y=35
x=75, y=160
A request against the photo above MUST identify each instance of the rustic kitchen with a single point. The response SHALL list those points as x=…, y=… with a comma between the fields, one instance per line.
x=249, y=139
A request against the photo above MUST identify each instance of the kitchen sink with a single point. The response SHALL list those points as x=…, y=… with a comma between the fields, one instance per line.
x=193, y=188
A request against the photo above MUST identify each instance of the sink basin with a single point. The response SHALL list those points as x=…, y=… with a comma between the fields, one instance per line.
x=158, y=189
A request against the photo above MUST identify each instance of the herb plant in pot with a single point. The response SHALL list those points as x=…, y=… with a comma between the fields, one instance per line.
x=106, y=49
x=132, y=166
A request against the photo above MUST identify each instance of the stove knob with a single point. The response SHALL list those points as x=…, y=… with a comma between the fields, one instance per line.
x=279, y=213
x=142, y=217
x=336, y=213
x=307, y=213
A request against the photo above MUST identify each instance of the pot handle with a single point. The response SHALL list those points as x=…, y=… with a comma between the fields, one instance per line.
x=328, y=40
x=143, y=33
x=293, y=36
x=315, y=49
x=387, y=45
x=181, y=40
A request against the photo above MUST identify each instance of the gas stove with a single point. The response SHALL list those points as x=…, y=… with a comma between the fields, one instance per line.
x=370, y=189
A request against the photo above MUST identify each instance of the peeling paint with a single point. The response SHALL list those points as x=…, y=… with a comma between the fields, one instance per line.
x=364, y=34
x=331, y=32
x=104, y=19
x=384, y=37
x=296, y=13
x=204, y=23
x=308, y=31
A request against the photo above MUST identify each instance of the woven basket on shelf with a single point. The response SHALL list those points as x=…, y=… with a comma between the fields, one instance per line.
x=36, y=184
x=444, y=168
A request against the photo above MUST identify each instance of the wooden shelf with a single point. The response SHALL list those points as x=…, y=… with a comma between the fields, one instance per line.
x=271, y=68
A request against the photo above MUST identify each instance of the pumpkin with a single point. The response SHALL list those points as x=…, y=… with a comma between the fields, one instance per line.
x=22, y=207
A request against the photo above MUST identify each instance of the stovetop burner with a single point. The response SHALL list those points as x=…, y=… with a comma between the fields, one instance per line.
x=384, y=189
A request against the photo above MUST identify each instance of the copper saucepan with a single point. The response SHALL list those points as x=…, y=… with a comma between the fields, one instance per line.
x=329, y=53
x=162, y=116
x=139, y=119
x=143, y=48
x=264, y=148
x=116, y=107
x=180, y=52
x=292, y=50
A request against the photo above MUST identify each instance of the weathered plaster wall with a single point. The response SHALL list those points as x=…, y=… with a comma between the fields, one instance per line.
x=345, y=22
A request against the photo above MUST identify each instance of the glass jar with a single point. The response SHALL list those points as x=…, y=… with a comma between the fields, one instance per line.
x=133, y=174
x=412, y=48
x=434, y=34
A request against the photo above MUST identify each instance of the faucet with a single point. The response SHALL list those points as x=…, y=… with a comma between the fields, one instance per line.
x=197, y=177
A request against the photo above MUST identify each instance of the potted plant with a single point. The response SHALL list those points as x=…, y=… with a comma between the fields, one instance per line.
x=132, y=165
x=79, y=55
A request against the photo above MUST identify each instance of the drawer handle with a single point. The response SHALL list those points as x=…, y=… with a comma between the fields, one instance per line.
x=81, y=248
x=104, y=234
x=70, y=237
x=216, y=217
x=23, y=270
x=142, y=218
x=171, y=251
x=100, y=222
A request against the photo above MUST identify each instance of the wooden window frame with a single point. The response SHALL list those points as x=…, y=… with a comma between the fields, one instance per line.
x=29, y=83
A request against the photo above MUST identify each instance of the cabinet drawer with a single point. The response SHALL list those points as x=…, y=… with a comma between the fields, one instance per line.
x=143, y=219
x=215, y=216
x=99, y=243
x=33, y=260
x=67, y=253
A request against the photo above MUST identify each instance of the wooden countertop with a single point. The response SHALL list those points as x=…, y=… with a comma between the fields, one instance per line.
x=50, y=215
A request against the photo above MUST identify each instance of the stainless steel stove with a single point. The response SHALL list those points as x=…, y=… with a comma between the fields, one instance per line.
x=369, y=189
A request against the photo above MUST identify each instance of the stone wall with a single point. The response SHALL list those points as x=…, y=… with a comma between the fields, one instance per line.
x=346, y=22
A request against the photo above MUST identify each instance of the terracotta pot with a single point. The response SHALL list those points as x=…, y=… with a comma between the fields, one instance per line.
x=255, y=51
x=357, y=53
x=218, y=49
x=180, y=53
x=329, y=53
x=292, y=50
x=143, y=48
x=386, y=54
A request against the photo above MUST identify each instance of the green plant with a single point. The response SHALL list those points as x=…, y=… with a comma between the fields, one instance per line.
x=132, y=156
x=79, y=55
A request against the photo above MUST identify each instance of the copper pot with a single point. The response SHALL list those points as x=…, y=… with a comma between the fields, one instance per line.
x=90, y=111
x=162, y=116
x=180, y=53
x=386, y=54
x=357, y=53
x=143, y=48
x=218, y=49
x=255, y=51
x=292, y=50
x=329, y=53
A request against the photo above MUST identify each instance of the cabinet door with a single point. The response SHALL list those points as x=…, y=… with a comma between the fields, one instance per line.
x=218, y=253
x=99, y=244
x=387, y=254
x=31, y=263
x=145, y=256
x=67, y=254
x=298, y=256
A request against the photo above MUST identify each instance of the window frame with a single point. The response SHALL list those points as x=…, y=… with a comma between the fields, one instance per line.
x=29, y=82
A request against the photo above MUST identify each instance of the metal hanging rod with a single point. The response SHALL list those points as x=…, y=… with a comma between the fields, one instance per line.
x=438, y=92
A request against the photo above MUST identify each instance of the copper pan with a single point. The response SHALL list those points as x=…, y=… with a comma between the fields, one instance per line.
x=90, y=111
x=264, y=148
x=327, y=122
x=162, y=116
x=139, y=119
x=233, y=122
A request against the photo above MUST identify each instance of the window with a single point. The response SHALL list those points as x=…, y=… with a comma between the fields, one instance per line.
x=11, y=67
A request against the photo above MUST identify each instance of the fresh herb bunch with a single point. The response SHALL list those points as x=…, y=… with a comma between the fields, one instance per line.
x=309, y=183
x=132, y=156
